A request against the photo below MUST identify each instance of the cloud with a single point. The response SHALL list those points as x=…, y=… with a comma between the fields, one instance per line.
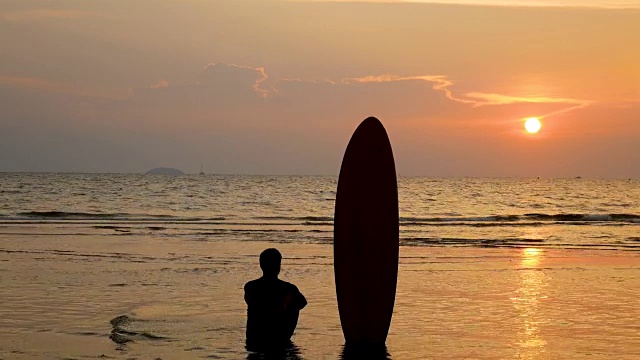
x=227, y=85
x=485, y=99
x=160, y=85
x=232, y=81
x=223, y=120
x=44, y=14
x=228, y=74
x=33, y=84
x=230, y=91
x=37, y=84
x=440, y=83
x=476, y=99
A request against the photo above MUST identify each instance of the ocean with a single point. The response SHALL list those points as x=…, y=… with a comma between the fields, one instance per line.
x=151, y=266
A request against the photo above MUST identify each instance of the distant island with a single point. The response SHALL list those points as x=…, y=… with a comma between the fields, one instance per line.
x=164, y=171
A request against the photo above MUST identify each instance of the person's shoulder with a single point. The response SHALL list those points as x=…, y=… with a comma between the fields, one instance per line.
x=251, y=284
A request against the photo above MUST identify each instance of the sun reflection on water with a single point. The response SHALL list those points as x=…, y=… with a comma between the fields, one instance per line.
x=531, y=257
x=533, y=282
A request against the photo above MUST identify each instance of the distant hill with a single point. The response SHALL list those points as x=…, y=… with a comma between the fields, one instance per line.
x=164, y=171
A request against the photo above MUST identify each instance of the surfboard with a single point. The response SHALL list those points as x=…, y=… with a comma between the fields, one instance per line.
x=366, y=235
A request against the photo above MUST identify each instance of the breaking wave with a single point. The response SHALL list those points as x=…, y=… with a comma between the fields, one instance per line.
x=66, y=215
x=528, y=217
x=489, y=220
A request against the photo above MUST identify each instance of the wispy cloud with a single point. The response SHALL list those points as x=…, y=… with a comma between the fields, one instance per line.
x=500, y=99
x=44, y=14
x=34, y=84
x=440, y=83
x=322, y=81
x=476, y=99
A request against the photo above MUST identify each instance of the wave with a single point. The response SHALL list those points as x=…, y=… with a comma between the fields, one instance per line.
x=300, y=218
x=157, y=221
x=531, y=218
x=10, y=191
x=67, y=215
x=585, y=217
x=121, y=334
x=513, y=243
x=505, y=242
x=489, y=218
x=536, y=217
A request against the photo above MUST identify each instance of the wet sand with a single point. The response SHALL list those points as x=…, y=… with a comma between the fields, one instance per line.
x=176, y=298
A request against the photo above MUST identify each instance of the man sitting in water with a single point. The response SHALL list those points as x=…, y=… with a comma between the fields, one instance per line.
x=273, y=305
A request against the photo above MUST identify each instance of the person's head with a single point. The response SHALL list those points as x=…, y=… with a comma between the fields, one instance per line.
x=270, y=260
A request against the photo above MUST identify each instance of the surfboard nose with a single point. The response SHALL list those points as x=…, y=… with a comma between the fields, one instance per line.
x=370, y=122
x=370, y=136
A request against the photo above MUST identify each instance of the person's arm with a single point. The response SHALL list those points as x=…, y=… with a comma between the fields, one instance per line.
x=301, y=301
x=247, y=294
x=293, y=299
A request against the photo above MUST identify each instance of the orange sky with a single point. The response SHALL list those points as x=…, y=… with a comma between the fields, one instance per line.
x=607, y=4
x=277, y=87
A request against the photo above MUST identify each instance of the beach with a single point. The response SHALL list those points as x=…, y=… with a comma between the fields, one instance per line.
x=86, y=284
x=451, y=303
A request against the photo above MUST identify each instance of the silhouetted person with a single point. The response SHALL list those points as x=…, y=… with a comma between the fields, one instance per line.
x=273, y=305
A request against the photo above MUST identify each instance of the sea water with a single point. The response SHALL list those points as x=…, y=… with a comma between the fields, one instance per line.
x=148, y=266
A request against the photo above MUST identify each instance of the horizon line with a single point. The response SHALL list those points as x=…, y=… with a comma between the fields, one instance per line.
x=326, y=175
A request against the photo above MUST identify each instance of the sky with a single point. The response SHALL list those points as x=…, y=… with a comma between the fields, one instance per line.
x=278, y=87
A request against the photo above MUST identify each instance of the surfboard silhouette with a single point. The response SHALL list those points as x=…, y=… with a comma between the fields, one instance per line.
x=366, y=236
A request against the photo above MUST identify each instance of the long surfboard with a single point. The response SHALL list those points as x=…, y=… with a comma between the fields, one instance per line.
x=366, y=234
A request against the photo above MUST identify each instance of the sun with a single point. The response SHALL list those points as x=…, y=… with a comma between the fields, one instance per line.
x=532, y=125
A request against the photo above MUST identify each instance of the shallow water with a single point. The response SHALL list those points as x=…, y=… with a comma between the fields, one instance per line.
x=507, y=289
x=183, y=299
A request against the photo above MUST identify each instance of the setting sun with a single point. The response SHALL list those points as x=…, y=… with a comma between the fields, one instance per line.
x=532, y=125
